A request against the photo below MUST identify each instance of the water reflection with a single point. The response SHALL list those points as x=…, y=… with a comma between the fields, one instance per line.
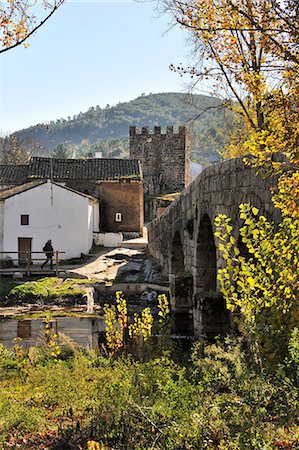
x=82, y=330
x=24, y=329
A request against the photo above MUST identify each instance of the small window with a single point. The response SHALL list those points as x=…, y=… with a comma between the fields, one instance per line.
x=118, y=217
x=24, y=219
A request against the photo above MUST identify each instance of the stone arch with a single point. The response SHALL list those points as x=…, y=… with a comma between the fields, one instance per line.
x=211, y=316
x=206, y=270
x=181, y=289
x=177, y=263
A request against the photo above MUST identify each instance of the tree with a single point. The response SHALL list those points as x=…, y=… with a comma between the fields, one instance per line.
x=262, y=283
x=60, y=151
x=248, y=50
x=12, y=151
x=282, y=29
x=15, y=150
x=18, y=20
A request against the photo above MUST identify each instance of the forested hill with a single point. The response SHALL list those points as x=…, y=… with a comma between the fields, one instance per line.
x=112, y=122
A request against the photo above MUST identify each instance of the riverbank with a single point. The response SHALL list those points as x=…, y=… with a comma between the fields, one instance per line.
x=213, y=399
x=106, y=271
x=80, y=291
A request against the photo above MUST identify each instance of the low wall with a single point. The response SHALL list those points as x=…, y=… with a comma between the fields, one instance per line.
x=108, y=239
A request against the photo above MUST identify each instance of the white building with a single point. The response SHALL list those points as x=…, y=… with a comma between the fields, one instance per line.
x=34, y=212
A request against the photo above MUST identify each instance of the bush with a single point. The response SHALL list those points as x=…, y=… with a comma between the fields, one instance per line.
x=215, y=401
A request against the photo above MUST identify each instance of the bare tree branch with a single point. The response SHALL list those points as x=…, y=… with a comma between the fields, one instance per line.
x=20, y=40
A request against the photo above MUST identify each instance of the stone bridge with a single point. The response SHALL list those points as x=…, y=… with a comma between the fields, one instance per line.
x=183, y=241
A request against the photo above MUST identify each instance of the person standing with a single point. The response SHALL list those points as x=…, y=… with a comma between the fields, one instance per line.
x=49, y=251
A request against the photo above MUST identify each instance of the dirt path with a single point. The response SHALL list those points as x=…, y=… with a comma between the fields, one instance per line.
x=112, y=264
x=128, y=263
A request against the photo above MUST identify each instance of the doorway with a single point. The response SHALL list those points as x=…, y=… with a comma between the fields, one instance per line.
x=24, y=249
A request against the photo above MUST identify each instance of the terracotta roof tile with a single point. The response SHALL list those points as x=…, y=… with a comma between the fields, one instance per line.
x=19, y=189
x=11, y=174
x=84, y=169
x=32, y=184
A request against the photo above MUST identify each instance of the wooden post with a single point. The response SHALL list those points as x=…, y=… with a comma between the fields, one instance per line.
x=28, y=263
x=56, y=262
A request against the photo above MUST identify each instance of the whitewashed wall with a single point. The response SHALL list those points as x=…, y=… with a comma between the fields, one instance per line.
x=55, y=213
x=108, y=239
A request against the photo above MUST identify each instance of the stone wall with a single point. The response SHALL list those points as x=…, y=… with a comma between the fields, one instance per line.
x=165, y=158
x=126, y=198
x=87, y=187
x=184, y=235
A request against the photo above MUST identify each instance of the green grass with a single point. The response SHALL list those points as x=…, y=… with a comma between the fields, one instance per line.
x=214, y=401
x=47, y=288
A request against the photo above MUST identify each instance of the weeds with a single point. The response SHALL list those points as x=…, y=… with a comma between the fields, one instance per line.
x=81, y=398
x=120, y=333
x=87, y=399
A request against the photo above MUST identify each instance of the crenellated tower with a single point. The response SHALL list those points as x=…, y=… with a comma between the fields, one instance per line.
x=165, y=158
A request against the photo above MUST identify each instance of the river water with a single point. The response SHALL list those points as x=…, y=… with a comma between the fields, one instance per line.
x=81, y=330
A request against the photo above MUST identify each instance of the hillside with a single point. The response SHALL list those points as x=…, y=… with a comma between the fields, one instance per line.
x=107, y=129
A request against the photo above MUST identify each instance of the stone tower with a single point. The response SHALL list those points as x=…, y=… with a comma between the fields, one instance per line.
x=165, y=158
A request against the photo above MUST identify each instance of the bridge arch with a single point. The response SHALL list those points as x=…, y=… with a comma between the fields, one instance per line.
x=219, y=189
x=206, y=268
x=211, y=315
x=177, y=262
x=181, y=289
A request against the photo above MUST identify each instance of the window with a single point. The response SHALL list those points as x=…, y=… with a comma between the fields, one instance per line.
x=118, y=217
x=24, y=219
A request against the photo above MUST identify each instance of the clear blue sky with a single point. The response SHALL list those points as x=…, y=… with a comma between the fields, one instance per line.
x=89, y=53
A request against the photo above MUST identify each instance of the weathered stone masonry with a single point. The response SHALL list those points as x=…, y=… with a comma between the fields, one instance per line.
x=165, y=158
x=182, y=239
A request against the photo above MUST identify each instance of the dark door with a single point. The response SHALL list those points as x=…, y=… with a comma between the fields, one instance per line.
x=24, y=249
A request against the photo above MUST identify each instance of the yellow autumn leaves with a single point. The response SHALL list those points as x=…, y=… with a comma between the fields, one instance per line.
x=261, y=282
x=139, y=331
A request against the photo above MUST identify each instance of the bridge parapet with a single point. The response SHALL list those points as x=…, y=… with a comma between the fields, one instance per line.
x=185, y=232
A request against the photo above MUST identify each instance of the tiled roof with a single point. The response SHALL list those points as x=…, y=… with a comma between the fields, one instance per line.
x=32, y=184
x=11, y=174
x=84, y=169
x=19, y=189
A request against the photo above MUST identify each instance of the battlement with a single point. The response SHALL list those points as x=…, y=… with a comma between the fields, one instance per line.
x=165, y=157
x=144, y=131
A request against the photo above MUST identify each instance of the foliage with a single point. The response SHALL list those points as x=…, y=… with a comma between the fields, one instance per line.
x=292, y=359
x=16, y=150
x=286, y=197
x=261, y=282
x=6, y=285
x=47, y=288
x=114, y=331
x=60, y=151
x=141, y=330
x=118, y=329
x=216, y=401
x=163, y=306
x=249, y=53
x=233, y=52
x=51, y=340
x=18, y=20
x=279, y=135
x=106, y=129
